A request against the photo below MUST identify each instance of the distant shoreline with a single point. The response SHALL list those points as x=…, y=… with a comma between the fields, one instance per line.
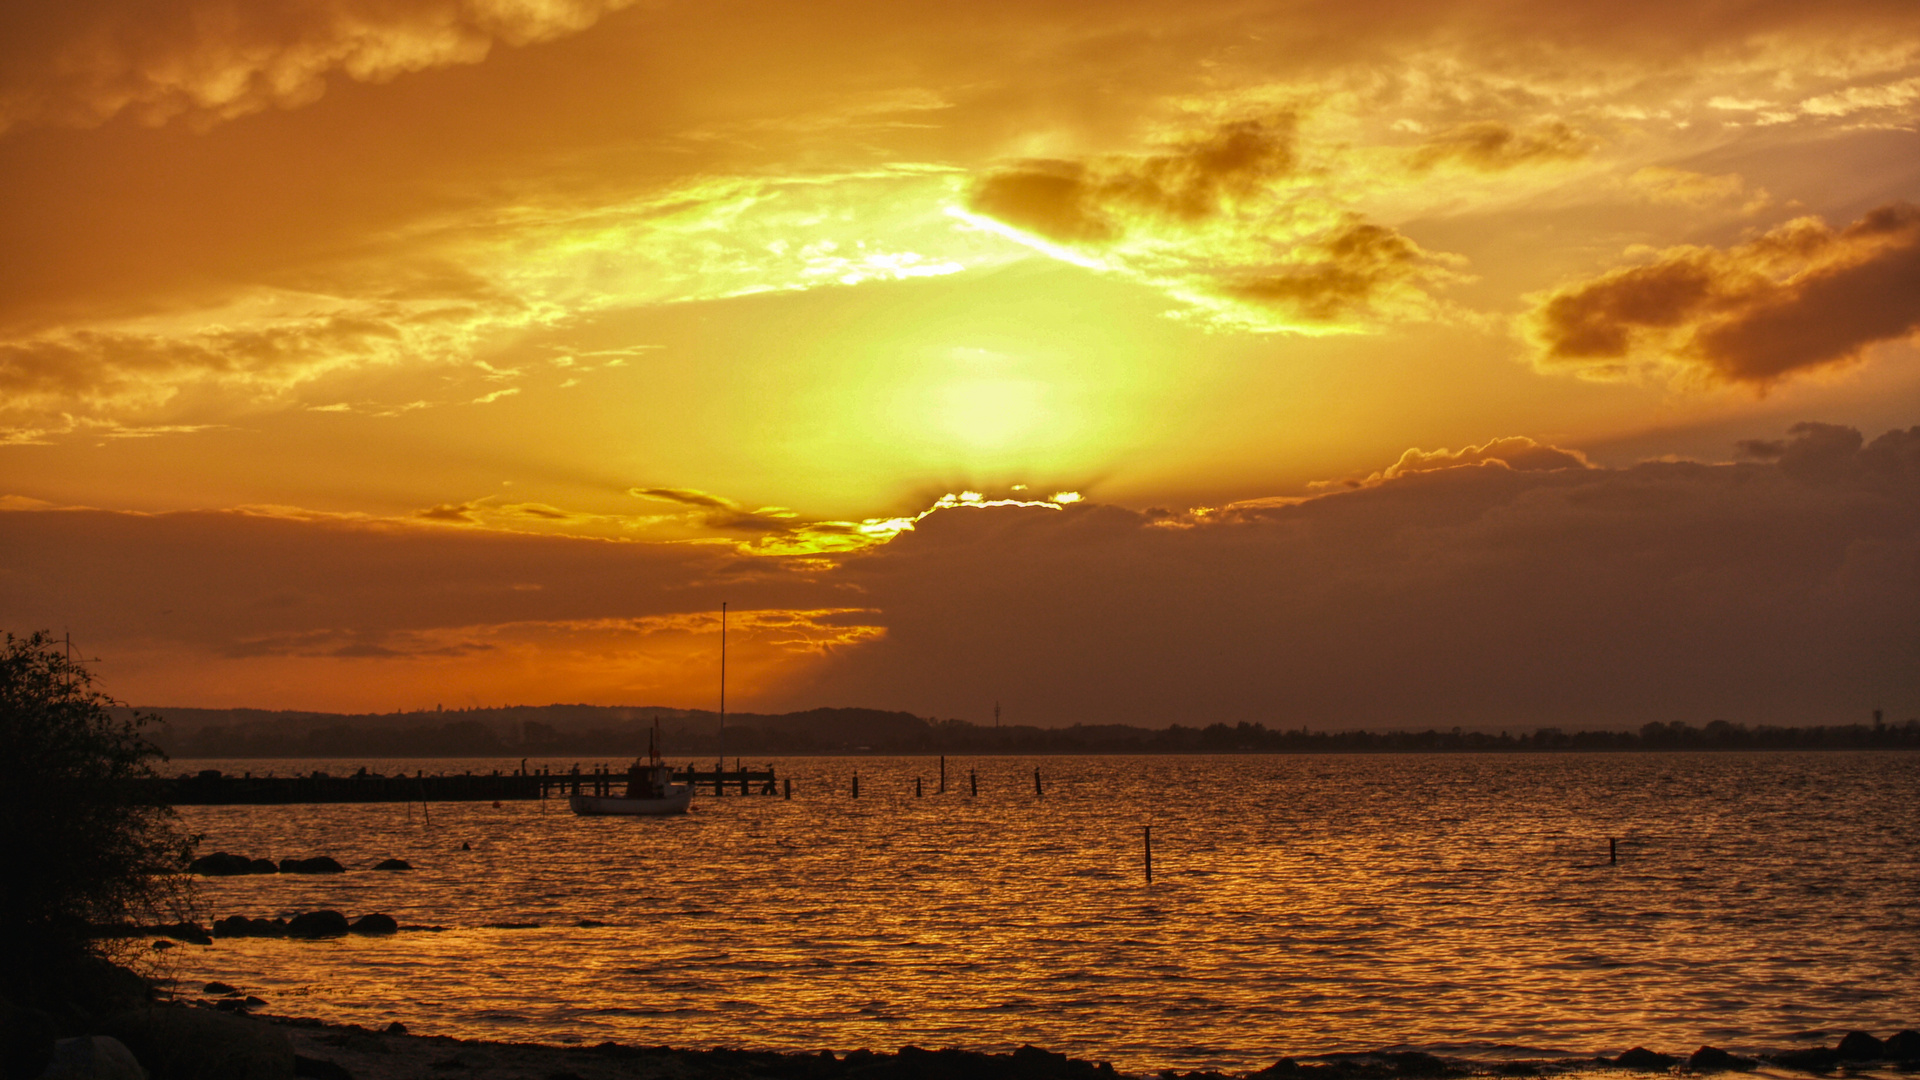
x=752, y=755
x=566, y=731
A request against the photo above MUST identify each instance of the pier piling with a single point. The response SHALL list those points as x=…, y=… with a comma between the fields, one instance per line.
x=1037, y=792
x=1146, y=839
x=973, y=782
x=1613, y=852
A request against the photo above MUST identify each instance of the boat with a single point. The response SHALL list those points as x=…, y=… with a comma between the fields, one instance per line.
x=650, y=789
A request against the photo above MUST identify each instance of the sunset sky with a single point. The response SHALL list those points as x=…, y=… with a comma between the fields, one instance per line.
x=1382, y=364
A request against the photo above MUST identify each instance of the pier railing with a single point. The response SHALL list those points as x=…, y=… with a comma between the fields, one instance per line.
x=214, y=788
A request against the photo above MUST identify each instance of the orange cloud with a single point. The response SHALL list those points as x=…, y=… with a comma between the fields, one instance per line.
x=1094, y=203
x=1800, y=298
x=1491, y=146
x=1516, y=452
x=211, y=60
x=1226, y=223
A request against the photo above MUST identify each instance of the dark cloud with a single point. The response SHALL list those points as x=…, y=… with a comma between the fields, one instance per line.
x=1057, y=200
x=1463, y=595
x=1337, y=276
x=1505, y=584
x=459, y=512
x=1490, y=146
x=318, y=584
x=1097, y=202
x=1799, y=298
x=1215, y=222
x=715, y=512
x=683, y=496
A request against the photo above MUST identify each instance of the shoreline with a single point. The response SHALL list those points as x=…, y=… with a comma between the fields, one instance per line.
x=369, y=1054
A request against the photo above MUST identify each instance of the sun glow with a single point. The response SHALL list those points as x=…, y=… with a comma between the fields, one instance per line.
x=992, y=413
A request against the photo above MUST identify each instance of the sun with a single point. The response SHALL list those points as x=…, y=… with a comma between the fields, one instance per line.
x=990, y=413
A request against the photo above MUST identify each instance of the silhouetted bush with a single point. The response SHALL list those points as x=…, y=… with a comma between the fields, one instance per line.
x=82, y=843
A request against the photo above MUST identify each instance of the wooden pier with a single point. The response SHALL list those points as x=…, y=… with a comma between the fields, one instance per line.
x=213, y=788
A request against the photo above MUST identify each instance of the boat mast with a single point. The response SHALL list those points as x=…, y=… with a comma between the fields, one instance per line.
x=720, y=765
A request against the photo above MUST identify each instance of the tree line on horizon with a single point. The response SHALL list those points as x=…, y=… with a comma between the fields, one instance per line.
x=596, y=731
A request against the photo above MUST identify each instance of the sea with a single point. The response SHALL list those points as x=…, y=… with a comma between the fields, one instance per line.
x=1462, y=905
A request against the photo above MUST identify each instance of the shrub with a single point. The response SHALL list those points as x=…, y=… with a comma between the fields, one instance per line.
x=83, y=840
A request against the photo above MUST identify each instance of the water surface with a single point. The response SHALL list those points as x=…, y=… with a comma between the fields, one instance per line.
x=1461, y=905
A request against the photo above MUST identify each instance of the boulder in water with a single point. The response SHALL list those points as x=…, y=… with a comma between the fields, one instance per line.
x=318, y=924
x=1860, y=1046
x=220, y=864
x=1714, y=1059
x=319, y=865
x=394, y=864
x=241, y=926
x=191, y=933
x=1649, y=1060
x=374, y=924
x=220, y=988
x=262, y=866
x=1904, y=1046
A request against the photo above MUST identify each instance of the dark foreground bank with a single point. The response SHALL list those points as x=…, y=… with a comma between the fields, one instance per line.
x=102, y=1022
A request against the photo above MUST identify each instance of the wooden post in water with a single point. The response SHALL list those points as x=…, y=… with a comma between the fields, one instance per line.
x=943, y=774
x=789, y=789
x=1613, y=852
x=973, y=782
x=1036, y=784
x=916, y=787
x=1147, y=847
x=856, y=785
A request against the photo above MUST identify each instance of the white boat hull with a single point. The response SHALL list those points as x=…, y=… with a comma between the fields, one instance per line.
x=675, y=802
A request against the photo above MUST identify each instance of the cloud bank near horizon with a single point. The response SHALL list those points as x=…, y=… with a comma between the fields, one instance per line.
x=1510, y=583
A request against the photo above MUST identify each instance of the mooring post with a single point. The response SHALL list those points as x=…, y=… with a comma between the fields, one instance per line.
x=973, y=782
x=1613, y=852
x=1036, y=784
x=1147, y=846
x=943, y=774
x=789, y=789
x=856, y=785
